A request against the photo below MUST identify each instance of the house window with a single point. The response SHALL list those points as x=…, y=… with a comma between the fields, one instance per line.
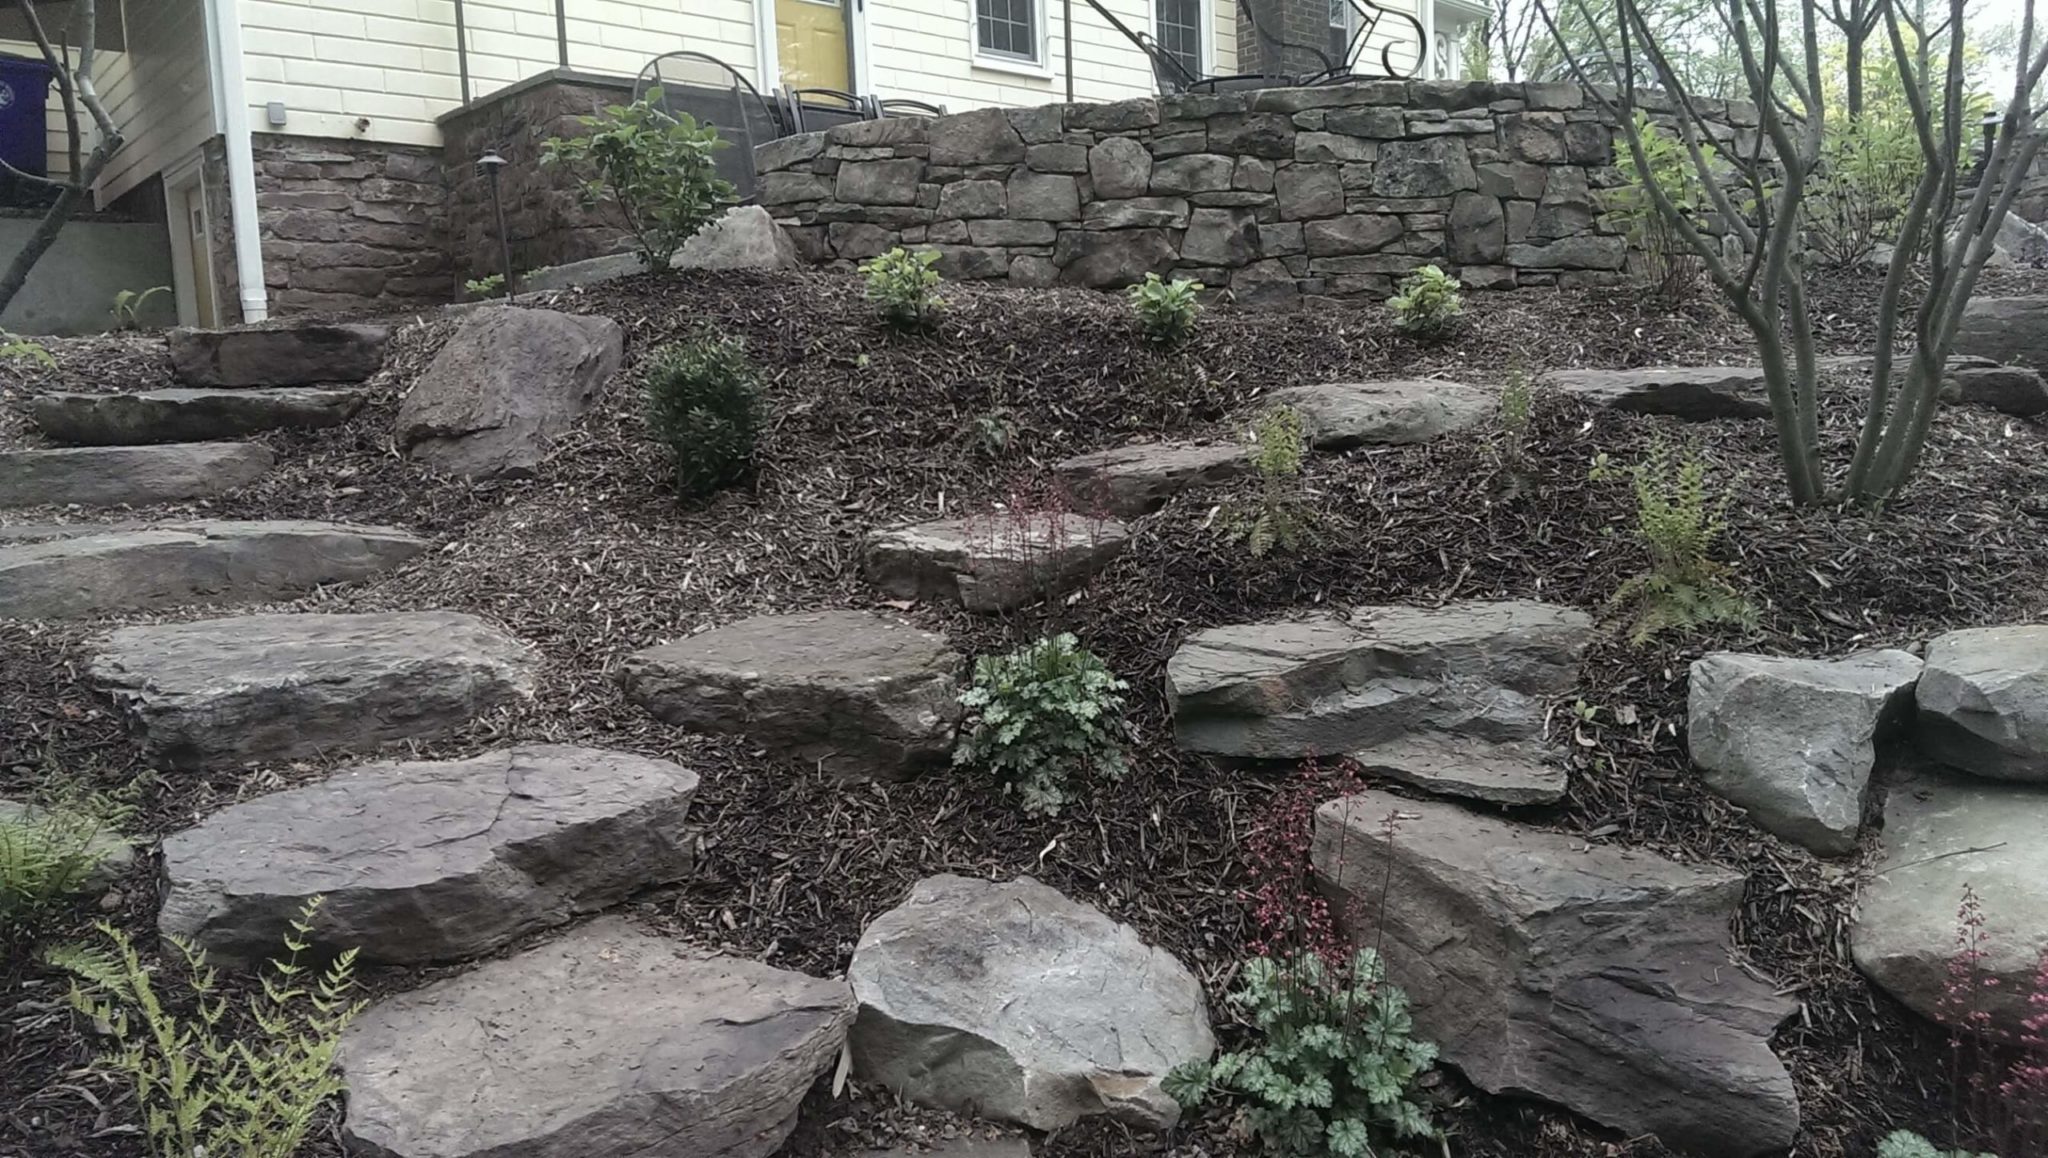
x=1007, y=28
x=1342, y=21
x=1180, y=33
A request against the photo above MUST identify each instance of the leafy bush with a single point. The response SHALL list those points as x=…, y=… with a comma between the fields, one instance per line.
x=704, y=404
x=1668, y=263
x=1428, y=304
x=207, y=1084
x=1278, y=516
x=1677, y=523
x=50, y=848
x=905, y=286
x=1868, y=169
x=656, y=167
x=489, y=286
x=1906, y=1144
x=1166, y=309
x=1336, y=1069
x=1038, y=714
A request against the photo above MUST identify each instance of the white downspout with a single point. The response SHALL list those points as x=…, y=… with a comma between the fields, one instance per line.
x=231, y=115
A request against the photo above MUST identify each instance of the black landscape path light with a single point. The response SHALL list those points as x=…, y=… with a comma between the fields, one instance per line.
x=488, y=165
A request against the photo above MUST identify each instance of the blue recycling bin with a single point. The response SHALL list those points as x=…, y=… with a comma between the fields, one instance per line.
x=24, y=105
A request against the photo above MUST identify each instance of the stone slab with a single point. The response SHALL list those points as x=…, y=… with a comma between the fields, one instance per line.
x=128, y=475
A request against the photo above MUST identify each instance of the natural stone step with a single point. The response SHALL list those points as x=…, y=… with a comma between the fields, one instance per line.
x=605, y=1043
x=1597, y=978
x=1943, y=832
x=283, y=687
x=187, y=415
x=1473, y=769
x=135, y=475
x=1011, y=1002
x=284, y=356
x=1983, y=701
x=858, y=694
x=430, y=860
x=1136, y=480
x=1343, y=416
x=204, y=562
x=2016, y=390
x=1696, y=393
x=1328, y=686
x=995, y=561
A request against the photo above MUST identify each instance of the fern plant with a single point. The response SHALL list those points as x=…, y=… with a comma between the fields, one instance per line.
x=704, y=404
x=1517, y=410
x=1336, y=1067
x=51, y=848
x=203, y=1087
x=1041, y=713
x=1166, y=309
x=1278, y=516
x=1678, y=523
x=1428, y=304
x=904, y=286
x=14, y=346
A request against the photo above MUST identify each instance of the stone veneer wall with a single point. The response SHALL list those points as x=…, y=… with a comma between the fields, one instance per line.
x=1274, y=193
x=351, y=225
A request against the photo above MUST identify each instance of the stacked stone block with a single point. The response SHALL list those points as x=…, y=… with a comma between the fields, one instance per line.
x=351, y=225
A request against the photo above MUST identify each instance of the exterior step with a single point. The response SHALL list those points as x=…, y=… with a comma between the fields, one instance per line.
x=179, y=414
x=285, y=356
x=133, y=475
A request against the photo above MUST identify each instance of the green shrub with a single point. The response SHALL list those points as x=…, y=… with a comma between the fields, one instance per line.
x=50, y=848
x=1166, y=309
x=656, y=167
x=704, y=404
x=1040, y=713
x=1868, y=169
x=1677, y=522
x=1335, y=1070
x=1277, y=516
x=905, y=286
x=226, y=1081
x=489, y=286
x=1428, y=304
x=1517, y=408
x=1907, y=1144
x=12, y=346
x=1668, y=263
x=128, y=306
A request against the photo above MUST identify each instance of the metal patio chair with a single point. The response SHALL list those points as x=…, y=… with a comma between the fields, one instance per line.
x=715, y=93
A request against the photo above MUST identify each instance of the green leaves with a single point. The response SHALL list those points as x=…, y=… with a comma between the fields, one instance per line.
x=1166, y=310
x=659, y=169
x=1428, y=305
x=1039, y=713
x=703, y=403
x=1277, y=518
x=1678, y=523
x=50, y=848
x=904, y=285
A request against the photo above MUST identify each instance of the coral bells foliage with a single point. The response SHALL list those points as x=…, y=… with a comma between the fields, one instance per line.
x=1292, y=914
x=2000, y=1074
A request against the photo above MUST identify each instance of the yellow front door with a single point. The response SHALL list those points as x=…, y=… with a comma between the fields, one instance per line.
x=810, y=35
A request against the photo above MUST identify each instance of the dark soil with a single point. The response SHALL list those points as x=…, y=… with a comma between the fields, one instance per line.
x=596, y=557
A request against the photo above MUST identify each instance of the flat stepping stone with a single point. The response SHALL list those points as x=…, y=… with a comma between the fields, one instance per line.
x=179, y=414
x=1593, y=977
x=2015, y=390
x=204, y=562
x=1297, y=688
x=423, y=861
x=281, y=356
x=1694, y=393
x=1945, y=831
x=1342, y=416
x=605, y=1043
x=1013, y=1003
x=1983, y=702
x=1509, y=774
x=1136, y=480
x=993, y=562
x=223, y=692
x=132, y=475
x=858, y=694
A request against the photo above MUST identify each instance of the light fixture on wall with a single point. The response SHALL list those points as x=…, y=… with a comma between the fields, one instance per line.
x=488, y=165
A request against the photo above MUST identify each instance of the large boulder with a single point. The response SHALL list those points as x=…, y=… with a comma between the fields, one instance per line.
x=1983, y=701
x=1944, y=833
x=507, y=384
x=133, y=475
x=858, y=694
x=995, y=561
x=1285, y=690
x=746, y=237
x=180, y=414
x=1345, y=415
x=425, y=861
x=282, y=687
x=206, y=562
x=1794, y=741
x=301, y=355
x=2016, y=390
x=604, y=1043
x=1011, y=1002
x=1593, y=977
x=2011, y=330
x=1129, y=481
x=1694, y=393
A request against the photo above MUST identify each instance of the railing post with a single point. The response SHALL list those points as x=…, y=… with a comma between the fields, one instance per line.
x=562, y=32
x=1067, y=35
x=462, y=50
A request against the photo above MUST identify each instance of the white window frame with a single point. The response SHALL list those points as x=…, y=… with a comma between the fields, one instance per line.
x=1208, y=30
x=996, y=62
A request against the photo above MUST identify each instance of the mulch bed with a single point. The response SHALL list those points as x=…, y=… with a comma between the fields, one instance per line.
x=596, y=557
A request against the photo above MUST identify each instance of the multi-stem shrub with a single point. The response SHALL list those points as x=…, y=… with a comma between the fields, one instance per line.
x=1336, y=1064
x=1667, y=263
x=1677, y=522
x=657, y=167
x=904, y=286
x=704, y=404
x=1038, y=715
x=225, y=1081
x=1166, y=309
x=1428, y=304
x=1868, y=168
x=1277, y=515
x=50, y=848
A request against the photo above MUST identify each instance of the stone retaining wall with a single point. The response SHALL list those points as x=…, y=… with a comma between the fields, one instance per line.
x=351, y=225
x=1274, y=193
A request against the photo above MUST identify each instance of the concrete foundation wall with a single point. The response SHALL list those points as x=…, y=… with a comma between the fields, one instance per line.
x=71, y=290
